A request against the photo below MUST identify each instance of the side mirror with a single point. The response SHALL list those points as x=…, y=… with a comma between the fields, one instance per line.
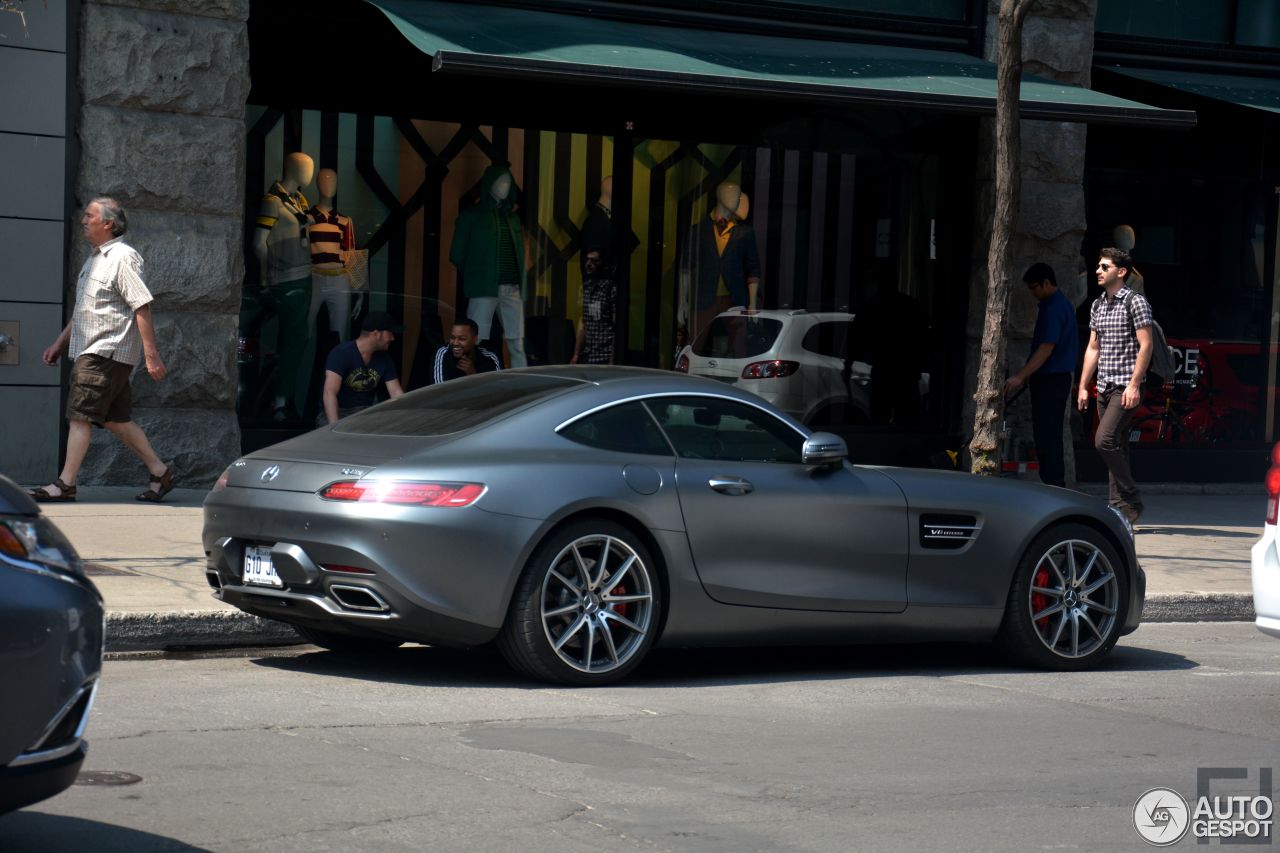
x=824, y=448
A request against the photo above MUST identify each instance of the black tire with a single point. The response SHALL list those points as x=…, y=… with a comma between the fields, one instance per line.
x=586, y=608
x=1067, y=601
x=346, y=643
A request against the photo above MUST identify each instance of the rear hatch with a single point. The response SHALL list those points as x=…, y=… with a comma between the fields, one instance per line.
x=731, y=342
x=312, y=461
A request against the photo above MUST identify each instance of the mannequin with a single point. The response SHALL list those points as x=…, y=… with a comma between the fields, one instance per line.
x=284, y=271
x=330, y=234
x=720, y=263
x=1122, y=237
x=597, y=230
x=488, y=252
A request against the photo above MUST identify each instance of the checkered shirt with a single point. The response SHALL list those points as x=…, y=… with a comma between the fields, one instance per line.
x=1117, y=337
x=108, y=294
x=598, y=312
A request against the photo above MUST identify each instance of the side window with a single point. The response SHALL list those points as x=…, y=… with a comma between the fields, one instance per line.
x=626, y=429
x=828, y=338
x=715, y=428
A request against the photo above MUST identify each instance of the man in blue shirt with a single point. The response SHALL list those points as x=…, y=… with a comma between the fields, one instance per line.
x=1054, y=349
x=354, y=370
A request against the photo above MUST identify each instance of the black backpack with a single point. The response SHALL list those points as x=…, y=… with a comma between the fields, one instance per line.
x=1163, y=366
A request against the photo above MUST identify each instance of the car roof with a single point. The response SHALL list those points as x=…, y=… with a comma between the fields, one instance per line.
x=785, y=314
x=619, y=381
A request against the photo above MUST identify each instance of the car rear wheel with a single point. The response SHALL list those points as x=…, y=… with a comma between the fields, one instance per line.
x=585, y=610
x=1067, y=601
x=345, y=642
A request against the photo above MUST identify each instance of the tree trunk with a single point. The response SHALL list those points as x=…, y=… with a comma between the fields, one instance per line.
x=985, y=448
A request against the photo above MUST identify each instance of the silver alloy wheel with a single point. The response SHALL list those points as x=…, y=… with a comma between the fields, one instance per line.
x=1074, y=599
x=596, y=603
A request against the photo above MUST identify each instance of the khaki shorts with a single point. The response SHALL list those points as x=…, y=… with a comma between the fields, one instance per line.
x=99, y=390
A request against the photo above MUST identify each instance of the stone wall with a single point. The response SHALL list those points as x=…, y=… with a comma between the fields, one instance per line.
x=163, y=85
x=1057, y=43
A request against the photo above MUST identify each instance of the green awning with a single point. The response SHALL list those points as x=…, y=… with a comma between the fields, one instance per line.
x=495, y=40
x=1257, y=92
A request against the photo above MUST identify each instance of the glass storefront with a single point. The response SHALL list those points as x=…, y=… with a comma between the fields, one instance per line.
x=811, y=277
x=1201, y=230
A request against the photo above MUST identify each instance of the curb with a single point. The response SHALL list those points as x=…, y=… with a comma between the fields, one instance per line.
x=137, y=632
x=1199, y=607
x=140, y=632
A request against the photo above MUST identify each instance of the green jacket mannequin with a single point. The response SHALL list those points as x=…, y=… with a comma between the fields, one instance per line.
x=477, y=235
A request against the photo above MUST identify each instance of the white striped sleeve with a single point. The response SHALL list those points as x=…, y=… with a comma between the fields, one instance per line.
x=438, y=374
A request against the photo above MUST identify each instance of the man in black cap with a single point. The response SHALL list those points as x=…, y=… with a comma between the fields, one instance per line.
x=354, y=369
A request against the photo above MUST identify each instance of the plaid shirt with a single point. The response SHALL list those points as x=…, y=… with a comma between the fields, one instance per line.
x=108, y=294
x=1117, y=334
x=598, y=315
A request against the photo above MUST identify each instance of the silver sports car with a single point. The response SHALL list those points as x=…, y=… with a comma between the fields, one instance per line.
x=577, y=516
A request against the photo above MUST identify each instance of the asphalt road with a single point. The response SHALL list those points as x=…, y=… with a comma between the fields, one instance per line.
x=870, y=748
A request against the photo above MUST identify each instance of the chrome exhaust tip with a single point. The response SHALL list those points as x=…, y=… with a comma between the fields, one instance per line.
x=358, y=598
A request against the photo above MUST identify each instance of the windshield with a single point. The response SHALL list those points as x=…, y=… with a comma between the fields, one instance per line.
x=454, y=406
x=736, y=337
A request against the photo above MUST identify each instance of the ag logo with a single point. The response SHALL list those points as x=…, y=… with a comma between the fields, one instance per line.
x=1161, y=817
x=270, y=474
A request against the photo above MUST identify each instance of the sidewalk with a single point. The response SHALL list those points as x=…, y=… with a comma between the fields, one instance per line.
x=148, y=561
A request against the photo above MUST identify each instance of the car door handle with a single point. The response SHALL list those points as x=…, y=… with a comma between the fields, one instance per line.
x=731, y=485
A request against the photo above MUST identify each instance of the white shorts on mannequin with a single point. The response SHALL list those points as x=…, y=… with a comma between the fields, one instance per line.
x=333, y=291
x=510, y=307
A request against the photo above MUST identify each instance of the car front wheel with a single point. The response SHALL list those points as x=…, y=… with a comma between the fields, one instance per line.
x=1067, y=601
x=586, y=608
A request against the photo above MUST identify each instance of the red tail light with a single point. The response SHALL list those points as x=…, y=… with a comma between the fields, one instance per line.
x=422, y=494
x=682, y=364
x=351, y=570
x=769, y=369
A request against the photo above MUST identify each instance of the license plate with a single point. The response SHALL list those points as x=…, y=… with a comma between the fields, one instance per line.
x=258, y=569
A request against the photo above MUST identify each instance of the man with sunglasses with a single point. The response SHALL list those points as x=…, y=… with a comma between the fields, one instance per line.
x=1054, y=349
x=1119, y=349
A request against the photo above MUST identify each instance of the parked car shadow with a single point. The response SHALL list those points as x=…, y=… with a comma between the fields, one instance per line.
x=36, y=832
x=424, y=666
x=484, y=667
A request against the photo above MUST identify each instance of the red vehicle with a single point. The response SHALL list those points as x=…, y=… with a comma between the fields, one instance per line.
x=1215, y=398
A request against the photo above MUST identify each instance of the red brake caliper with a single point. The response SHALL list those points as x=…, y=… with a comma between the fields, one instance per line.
x=619, y=607
x=1039, y=601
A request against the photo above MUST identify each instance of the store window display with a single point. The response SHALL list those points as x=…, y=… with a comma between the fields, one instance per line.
x=332, y=236
x=597, y=230
x=488, y=252
x=720, y=266
x=283, y=253
x=471, y=222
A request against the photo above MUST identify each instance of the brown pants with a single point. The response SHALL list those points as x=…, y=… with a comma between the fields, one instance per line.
x=99, y=390
x=1112, y=443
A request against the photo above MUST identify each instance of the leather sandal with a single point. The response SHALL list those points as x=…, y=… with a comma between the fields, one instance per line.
x=160, y=486
x=42, y=495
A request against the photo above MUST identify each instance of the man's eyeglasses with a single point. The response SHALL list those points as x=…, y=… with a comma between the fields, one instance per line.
x=1104, y=266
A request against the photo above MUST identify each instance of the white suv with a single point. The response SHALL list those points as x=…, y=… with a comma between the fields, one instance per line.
x=791, y=358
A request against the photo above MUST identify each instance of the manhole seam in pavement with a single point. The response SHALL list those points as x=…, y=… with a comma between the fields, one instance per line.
x=107, y=777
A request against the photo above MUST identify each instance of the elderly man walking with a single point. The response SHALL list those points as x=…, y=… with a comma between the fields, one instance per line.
x=110, y=331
